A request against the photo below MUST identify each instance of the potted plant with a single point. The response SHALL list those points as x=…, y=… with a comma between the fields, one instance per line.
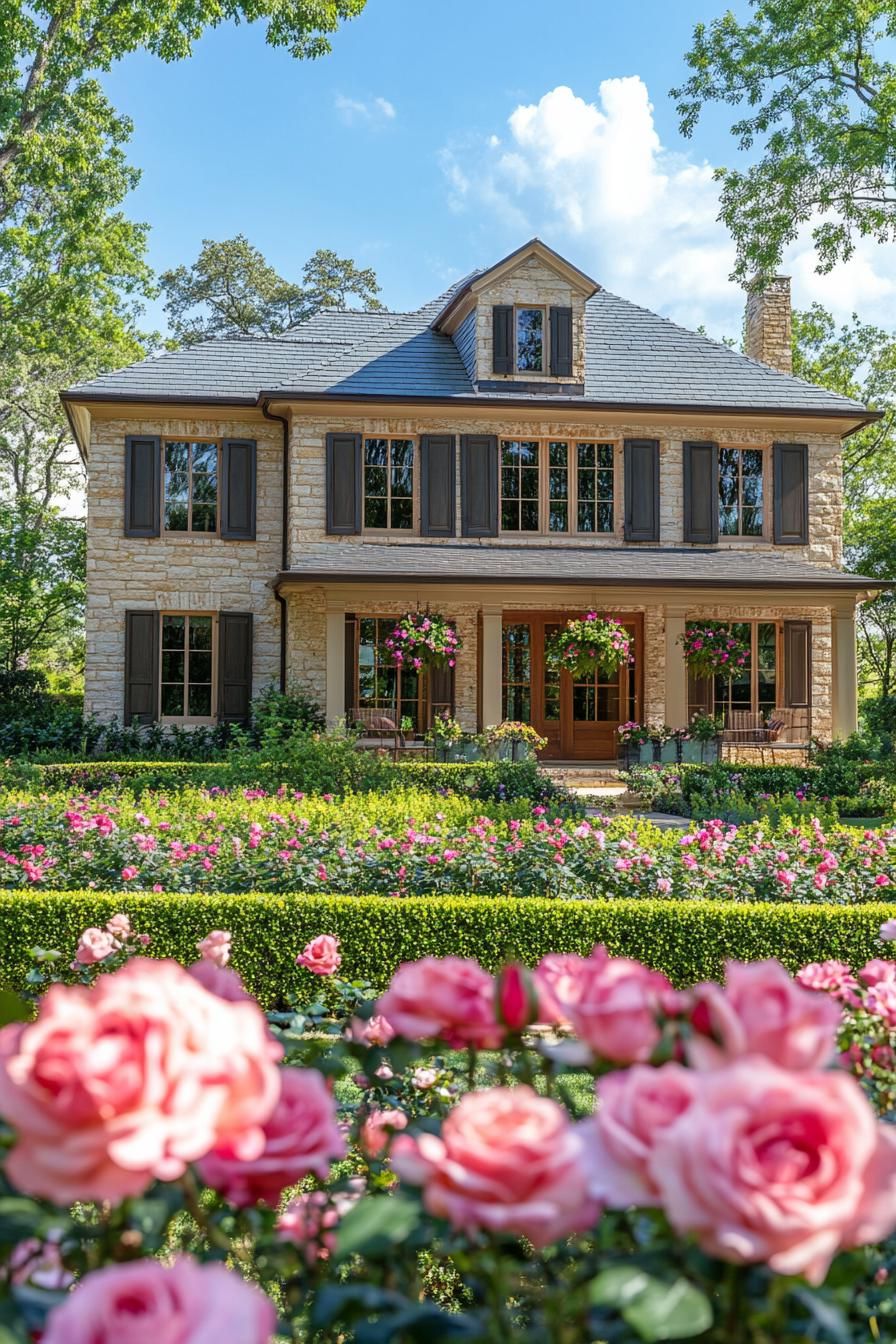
x=633, y=737
x=711, y=647
x=513, y=741
x=662, y=744
x=423, y=639
x=705, y=739
x=448, y=739
x=592, y=644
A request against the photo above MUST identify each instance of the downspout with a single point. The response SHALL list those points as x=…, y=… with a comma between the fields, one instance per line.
x=284, y=549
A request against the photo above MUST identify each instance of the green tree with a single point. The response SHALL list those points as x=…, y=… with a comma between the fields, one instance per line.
x=230, y=290
x=817, y=88
x=41, y=581
x=856, y=359
x=871, y=549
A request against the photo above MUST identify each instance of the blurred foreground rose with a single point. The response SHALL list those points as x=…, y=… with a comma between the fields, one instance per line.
x=145, y=1302
x=131, y=1080
x=507, y=1160
x=215, y=946
x=443, y=998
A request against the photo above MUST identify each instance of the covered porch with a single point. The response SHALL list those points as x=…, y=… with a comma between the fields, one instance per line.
x=799, y=621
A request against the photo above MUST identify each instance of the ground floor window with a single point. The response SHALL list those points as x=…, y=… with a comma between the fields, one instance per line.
x=754, y=688
x=374, y=682
x=187, y=666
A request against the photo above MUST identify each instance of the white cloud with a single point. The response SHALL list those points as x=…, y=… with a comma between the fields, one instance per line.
x=354, y=112
x=594, y=180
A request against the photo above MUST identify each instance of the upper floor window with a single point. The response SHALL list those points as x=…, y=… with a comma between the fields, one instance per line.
x=389, y=484
x=741, y=511
x=187, y=667
x=191, y=486
x=557, y=486
x=530, y=340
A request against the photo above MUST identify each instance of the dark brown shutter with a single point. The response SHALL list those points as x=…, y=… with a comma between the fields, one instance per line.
x=479, y=485
x=351, y=664
x=234, y=666
x=441, y=691
x=141, y=666
x=701, y=493
x=642, y=490
x=798, y=664
x=502, y=338
x=238, y=489
x=561, y=342
x=344, y=483
x=142, y=486
x=437, y=485
x=791, y=494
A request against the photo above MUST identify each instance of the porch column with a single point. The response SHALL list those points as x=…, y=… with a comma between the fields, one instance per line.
x=676, y=669
x=844, y=690
x=335, y=665
x=491, y=666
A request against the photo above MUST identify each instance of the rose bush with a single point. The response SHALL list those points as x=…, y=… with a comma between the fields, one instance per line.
x=222, y=843
x=429, y=1167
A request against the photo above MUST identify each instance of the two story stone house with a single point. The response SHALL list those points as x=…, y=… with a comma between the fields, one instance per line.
x=524, y=448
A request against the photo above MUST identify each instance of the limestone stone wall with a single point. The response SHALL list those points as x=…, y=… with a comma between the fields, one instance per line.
x=307, y=476
x=767, y=334
x=177, y=571
x=532, y=282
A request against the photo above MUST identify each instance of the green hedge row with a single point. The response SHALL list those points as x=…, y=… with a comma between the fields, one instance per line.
x=480, y=777
x=690, y=940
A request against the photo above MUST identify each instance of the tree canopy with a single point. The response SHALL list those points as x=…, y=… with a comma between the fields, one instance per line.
x=817, y=88
x=230, y=290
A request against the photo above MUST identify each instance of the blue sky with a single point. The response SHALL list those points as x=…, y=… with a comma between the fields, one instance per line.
x=438, y=136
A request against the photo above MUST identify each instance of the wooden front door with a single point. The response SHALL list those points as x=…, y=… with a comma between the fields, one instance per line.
x=579, y=719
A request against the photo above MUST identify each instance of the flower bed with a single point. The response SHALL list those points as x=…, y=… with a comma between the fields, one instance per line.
x=415, y=844
x=421, y=1165
x=689, y=940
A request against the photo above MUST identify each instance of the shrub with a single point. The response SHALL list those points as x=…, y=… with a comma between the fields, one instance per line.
x=689, y=940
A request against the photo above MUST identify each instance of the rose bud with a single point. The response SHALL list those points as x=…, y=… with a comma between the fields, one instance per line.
x=516, y=997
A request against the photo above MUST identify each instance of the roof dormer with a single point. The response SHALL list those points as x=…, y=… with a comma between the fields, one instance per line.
x=520, y=325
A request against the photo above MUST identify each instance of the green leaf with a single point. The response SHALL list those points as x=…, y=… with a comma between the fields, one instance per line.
x=826, y=1315
x=374, y=1225
x=19, y=1218
x=656, y=1308
x=13, y=1008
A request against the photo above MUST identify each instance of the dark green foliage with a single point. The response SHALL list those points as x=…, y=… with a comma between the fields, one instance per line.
x=689, y=940
x=879, y=716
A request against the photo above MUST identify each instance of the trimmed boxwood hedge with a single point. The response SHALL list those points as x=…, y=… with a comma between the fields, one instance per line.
x=690, y=940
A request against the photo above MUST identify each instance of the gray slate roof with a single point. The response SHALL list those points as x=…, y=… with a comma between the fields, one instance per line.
x=633, y=358
x=362, y=561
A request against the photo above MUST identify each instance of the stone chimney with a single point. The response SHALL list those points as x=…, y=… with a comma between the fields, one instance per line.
x=767, y=324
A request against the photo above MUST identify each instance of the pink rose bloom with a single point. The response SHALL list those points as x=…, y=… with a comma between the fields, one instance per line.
x=443, y=998
x=765, y=1168
x=888, y=931
x=612, y=1004
x=310, y=1221
x=40, y=1264
x=877, y=970
x=762, y=1011
x=221, y=980
x=881, y=1001
x=554, y=976
x=634, y=1106
x=834, y=977
x=120, y=927
x=94, y=945
x=182, y=1303
x=376, y=1031
x=301, y=1138
x=321, y=955
x=131, y=1080
x=378, y=1128
x=424, y=1078
x=507, y=1161
x=215, y=947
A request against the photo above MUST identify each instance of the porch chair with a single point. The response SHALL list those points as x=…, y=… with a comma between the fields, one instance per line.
x=378, y=731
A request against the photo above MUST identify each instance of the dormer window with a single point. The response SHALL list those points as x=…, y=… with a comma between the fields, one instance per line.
x=530, y=340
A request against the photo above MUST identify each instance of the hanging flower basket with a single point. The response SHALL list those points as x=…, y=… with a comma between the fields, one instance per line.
x=423, y=639
x=711, y=647
x=592, y=644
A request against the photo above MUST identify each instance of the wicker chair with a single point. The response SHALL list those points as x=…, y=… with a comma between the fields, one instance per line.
x=378, y=731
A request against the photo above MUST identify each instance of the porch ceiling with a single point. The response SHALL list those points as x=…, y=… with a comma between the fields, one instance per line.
x=629, y=566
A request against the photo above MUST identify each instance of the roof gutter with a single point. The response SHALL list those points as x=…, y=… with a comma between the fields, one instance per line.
x=850, y=583
x=284, y=544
